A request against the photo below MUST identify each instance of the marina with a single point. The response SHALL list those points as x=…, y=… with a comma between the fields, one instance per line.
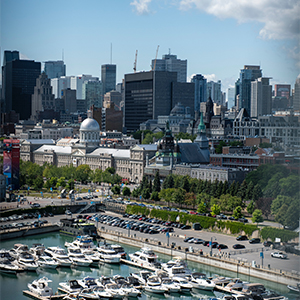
x=14, y=285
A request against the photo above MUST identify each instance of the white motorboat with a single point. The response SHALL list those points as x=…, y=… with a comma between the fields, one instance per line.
x=120, y=250
x=17, y=249
x=200, y=281
x=129, y=290
x=77, y=258
x=172, y=286
x=153, y=285
x=102, y=293
x=26, y=261
x=93, y=255
x=88, y=282
x=41, y=287
x=87, y=293
x=108, y=255
x=145, y=257
x=184, y=284
x=115, y=291
x=84, y=242
x=176, y=268
x=37, y=250
x=71, y=286
x=47, y=262
x=142, y=276
x=103, y=281
x=6, y=266
x=59, y=255
x=294, y=288
x=235, y=285
x=176, y=261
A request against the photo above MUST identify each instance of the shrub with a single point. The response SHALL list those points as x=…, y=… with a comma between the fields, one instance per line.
x=272, y=233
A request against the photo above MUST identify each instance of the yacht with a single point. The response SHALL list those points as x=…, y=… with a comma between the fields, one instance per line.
x=71, y=286
x=145, y=257
x=221, y=281
x=93, y=255
x=84, y=242
x=185, y=285
x=153, y=285
x=17, y=249
x=77, y=258
x=101, y=293
x=200, y=281
x=26, y=261
x=142, y=276
x=108, y=255
x=47, y=262
x=234, y=285
x=115, y=291
x=129, y=290
x=120, y=250
x=59, y=255
x=8, y=264
x=41, y=287
x=37, y=250
x=88, y=282
x=169, y=284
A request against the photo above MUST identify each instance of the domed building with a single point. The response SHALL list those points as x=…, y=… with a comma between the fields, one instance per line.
x=89, y=132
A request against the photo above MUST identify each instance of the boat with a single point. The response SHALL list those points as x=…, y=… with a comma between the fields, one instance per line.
x=251, y=289
x=59, y=255
x=221, y=281
x=76, y=228
x=146, y=258
x=84, y=242
x=93, y=255
x=153, y=285
x=77, y=258
x=71, y=286
x=172, y=286
x=47, y=262
x=142, y=276
x=17, y=249
x=129, y=290
x=185, y=285
x=115, y=291
x=26, y=261
x=293, y=288
x=41, y=287
x=37, y=250
x=73, y=296
x=108, y=255
x=234, y=285
x=200, y=281
x=134, y=282
x=236, y=297
x=120, y=250
x=8, y=264
x=88, y=282
x=88, y=294
x=102, y=293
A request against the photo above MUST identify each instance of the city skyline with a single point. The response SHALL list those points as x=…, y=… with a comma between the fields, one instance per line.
x=217, y=38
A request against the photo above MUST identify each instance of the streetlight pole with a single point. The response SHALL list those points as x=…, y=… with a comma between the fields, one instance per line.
x=211, y=239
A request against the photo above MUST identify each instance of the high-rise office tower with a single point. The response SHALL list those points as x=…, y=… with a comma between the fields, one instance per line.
x=108, y=77
x=248, y=74
x=42, y=98
x=296, y=100
x=92, y=93
x=60, y=84
x=55, y=69
x=200, y=92
x=261, y=97
x=147, y=95
x=214, y=91
x=19, y=79
x=171, y=63
x=283, y=91
x=230, y=97
x=76, y=83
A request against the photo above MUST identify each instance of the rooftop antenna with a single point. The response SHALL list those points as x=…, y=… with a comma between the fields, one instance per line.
x=62, y=55
x=110, y=53
x=169, y=51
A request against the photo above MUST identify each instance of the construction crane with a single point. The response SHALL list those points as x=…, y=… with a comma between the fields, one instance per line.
x=153, y=68
x=134, y=65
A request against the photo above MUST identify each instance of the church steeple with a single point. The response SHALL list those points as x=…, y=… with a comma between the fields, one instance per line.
x=201, y=134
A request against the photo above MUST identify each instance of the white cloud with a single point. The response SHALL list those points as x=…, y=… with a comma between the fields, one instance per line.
x=141, y=6
x=24, y=56
x=280, y=19
x=210, y=77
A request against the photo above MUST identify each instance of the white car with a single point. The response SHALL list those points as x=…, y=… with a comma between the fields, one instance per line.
x=278, y=254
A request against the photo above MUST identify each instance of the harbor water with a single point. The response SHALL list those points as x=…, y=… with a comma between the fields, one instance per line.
x=12, y=286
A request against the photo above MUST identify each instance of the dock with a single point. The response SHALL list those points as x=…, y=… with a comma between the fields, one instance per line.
x=37, y=297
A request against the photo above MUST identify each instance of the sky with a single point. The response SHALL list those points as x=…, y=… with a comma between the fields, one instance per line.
x=216, y=37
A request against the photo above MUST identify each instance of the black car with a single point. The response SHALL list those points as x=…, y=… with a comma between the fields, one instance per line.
x=187, y=239
x=242, y=238
x=186, y=227
x=238, y=246
x=267, y=243
x=254, y=241
x=222, y=246
x=243, y=220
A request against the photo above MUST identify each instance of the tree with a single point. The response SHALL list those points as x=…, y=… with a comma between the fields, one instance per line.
x=136, y=193
x=257, y=192
x=71, y=184
x=237, y=213
x=83, y=173
x=215, y=210
x=249, y=191
x=250, y=207
x=232, y=189
x=257, y=216
x=225, y=189
x=53, y=181
x=168, y=182
x=146, y=193
x=220, y=147
x=178, y=196
x=190, y=199
x=126, y=191
x=156, y=183
x=242, y=190
x=290, y=185
x=202, y=207
x=144, y=183
x=154, y=196
x=61, y=182
x=116, y=189
x=185, y=184
x=167, y=194
x=38, y=183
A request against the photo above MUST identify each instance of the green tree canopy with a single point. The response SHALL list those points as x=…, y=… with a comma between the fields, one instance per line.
x=257, y=216
x=126, y=191
x=237, y=213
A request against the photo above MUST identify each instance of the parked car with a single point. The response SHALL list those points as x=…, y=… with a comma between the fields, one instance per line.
x=254, y=241
x=238, y=246
x=279, y=254
x=242, y=238
x=186, y=227
x=35, y=205
x=187, y=239
x=222, y=246
x=267, y=243
x=243, y=220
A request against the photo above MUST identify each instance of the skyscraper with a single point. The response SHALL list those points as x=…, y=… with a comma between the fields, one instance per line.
x=248, y=74
x=214, y=91
x=200, y=91
x=261, y=97
x=171, y=63
x=19, y=79
x=296, y=100
x=230, y=97
x=92, y=93
x=108, y=77
x=42, y=98
x=55, y=69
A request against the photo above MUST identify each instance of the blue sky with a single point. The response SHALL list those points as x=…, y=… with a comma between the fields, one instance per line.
x=217, y=37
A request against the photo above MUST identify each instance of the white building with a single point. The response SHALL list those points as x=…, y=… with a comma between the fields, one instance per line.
x=230, y=97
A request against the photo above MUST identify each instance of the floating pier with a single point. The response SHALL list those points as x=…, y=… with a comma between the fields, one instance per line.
x=37, y=297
